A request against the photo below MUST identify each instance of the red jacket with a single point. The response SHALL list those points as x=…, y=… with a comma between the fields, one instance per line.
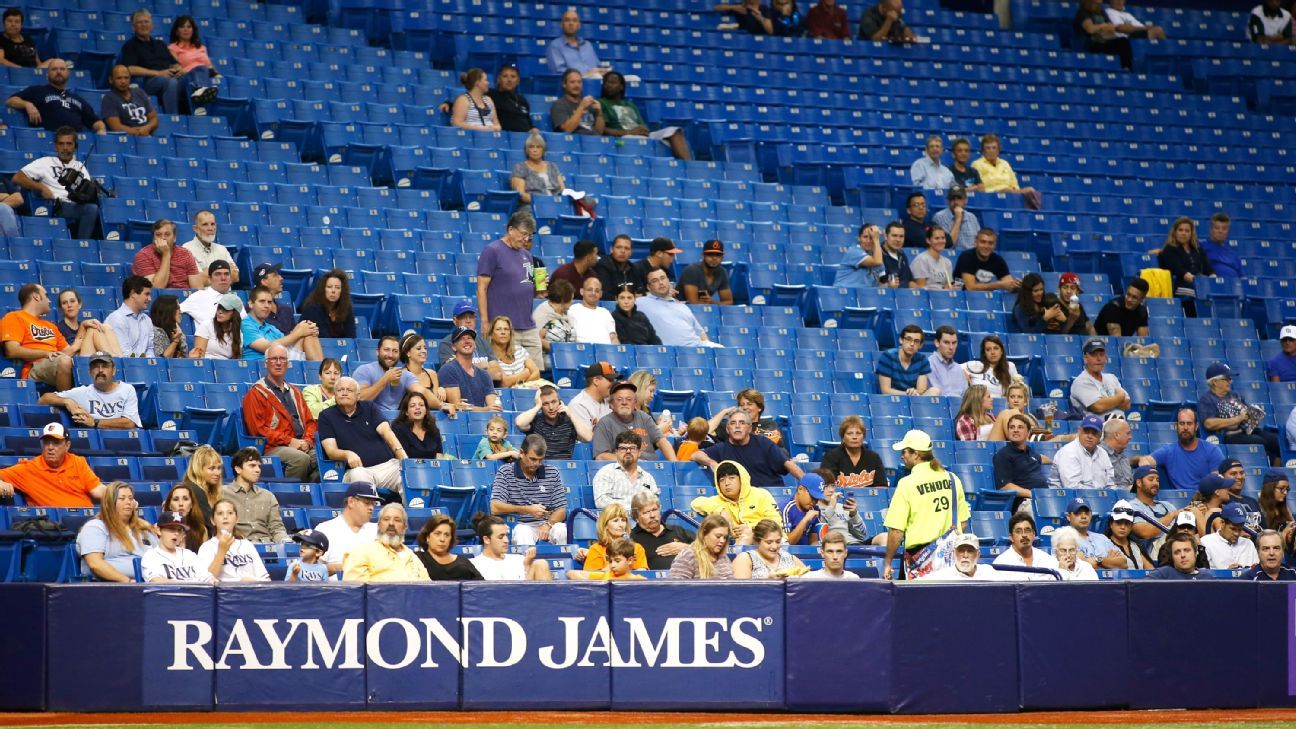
x=825, y=22
x=265, y=416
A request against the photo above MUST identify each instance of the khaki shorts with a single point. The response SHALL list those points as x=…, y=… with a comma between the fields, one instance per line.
x=45, y=371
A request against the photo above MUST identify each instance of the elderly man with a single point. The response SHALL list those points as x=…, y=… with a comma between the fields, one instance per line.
x=386, y=559
x=551, y=420
x=354, y=431
x=1116, y=439
x=55, y=478
x=882, y=22
x=506, y=283
x=1095, y=391
x=1021, y=530
x=570, y=51
x=153, y=67
x=765, y=462
x=593, y=323
x=352, y=526
x=533, y=491
x=1282, y=366
x=661, y=542
x=106, y=403
x=201, y=304
x=52, y=106
x=1096, y=549
x=258, y=509
x=959, y=223
x=259, y=333
x=981, y=269
x=468, y=385
x=1189, y=458
x=463, y=316
x=1183, y=560
x=46, y=175
x=1230, y=548
x=126, y=108
x=275, y=410
x=383, y=382
x=1270, y=566
x=619, y=482
x=165, y=264
x=1081, y=464
x=626, y=415
x=672, y=319
x=967, y=549
x=928, y=172
x=204, y=247
x=965, y=175
x=130, y=322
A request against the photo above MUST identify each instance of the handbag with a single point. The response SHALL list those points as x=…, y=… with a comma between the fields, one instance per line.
x=939, y=553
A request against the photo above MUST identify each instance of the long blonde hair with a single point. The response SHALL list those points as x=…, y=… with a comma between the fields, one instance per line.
x=641, y=380
x=705, y=562
x=973, y=404
x=610, y=512
x=194, y=476
x=126, y=532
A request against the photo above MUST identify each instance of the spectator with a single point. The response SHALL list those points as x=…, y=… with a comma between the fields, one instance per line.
x=593, y=323
x=1183, y=256
x=126, y=108
x=1067, y=552
x=552, y=317
x=707, y=281
x=750, y=16
x=1021, y=533
x=967, y=549
x=931, y=269
x=506, y=282
x=512, y=107
x=993, y=368
x=661, y=257
x=740, y=503
x=205, y=473
x=329, y=306
x=187, y=47
x=661, y=542
x=1267, y=24
x=1147, y=484
x=259, y=518
x=574, y=113
x=166, y=265
x=183, y=500
x=1077, y=321
x=1018, y=468
x=787, y=19
x=800, y=514
x=1125, y=316
x=1189, y=459
x=1099, y=34
x=965, y=175
x=1120, y=526
x=352, y=527
x=1128, y=26
x=998, y=176
x=697, y=434
x=946, y=377
x=981, y=269
x=55, y=478
x=416, y=428
x=69, y=324
x=533, y=491
x=1282, y=366
x=168, y=561
x=833, y=551
x=707, y=558
x=53, y=107
x=156, y=69
x=1270, y=566
x=859, y=268
x=474, y=110
x=385, y=559
x=616, y=272
x=1029, y=313
x=1116, y=438
x=281, y=314
x=976, y=419
x=764, y=461
x=1227, y=415
x=1081, y=464
x=49, y=176
x=354, y=431
x=928, y=172
x=827, y=19
x=201, y=304
x=320, y=396
x=612, y=526
x=169, y=339
x=1095, y=549
x=276, y=410
x=769, y=559
x=109, y=543
x=46, y=355
x=259, y=334
x=106, y=403
x=585, y=256
x=463, y=316
x=570, y=52
x=633, y=327
x=1095, y=391
x=922, y=506
x=591, y=404
x=882, y=22
x=130, y=322
x=16, y=49
x=959, y=223
x=855, y=464
x=623, y=119
x=517, y=369
x=1223, y=259
x=220, y=337
x=495, y=562
x=551, y=420
x=382, y=381
x=901, y=371
x=413, y=357
x=752, y=402
x=1017, y=396
x=1290, y=429
x=1227, y=549
x=625, y=415
x=1231, y=469
x=436, y=539
x=915, y=221
x=494, y=445
x=227, y=555
x=205, y=249
x=1274, y=512
x=670, y=317
x=644, y=398
x=1183, y=555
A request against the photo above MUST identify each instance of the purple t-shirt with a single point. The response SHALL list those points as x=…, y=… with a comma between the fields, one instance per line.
x=512, y=287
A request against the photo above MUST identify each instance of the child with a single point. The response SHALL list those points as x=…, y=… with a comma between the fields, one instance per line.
x=309, y=568
x=839, y=515
x=170, y=562
x=695, y=437
x=621, y=555
x=228, y=556
x=494, y=447
x=801, y=512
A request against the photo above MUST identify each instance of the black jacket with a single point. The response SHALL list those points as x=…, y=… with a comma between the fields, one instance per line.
x=634, y=328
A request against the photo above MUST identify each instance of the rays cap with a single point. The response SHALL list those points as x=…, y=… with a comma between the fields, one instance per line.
x=265, y=269
x=1122, y=511
x=171, y=519
x=1211, y=483
x=1186, y=518
x=363, y=490
x=1233, y=513
x=462, y=332
x=1092, y=422
x=1218, y=370
x=813, y=483
x=1076, y=505
x=465, y=306
x=1288, y=332
x=312, y=537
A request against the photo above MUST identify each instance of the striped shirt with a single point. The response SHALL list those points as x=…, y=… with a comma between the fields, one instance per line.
x=613, y=485
x=513, y=487
x=560, y=436
x=901, y=378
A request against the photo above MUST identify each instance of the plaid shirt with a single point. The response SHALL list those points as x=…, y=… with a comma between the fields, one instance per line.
x=965, y=428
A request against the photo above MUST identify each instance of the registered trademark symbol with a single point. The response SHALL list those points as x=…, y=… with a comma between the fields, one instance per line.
x=769, y=621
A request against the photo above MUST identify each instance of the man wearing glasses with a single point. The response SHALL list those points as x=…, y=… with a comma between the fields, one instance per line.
x=274, y=409
x=506, y=283
x=618, y=482
x=1021, y=532
x=901, y=371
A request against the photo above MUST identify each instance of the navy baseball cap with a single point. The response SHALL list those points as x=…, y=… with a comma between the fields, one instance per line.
x=1233, y=513
x=1228, y=463
x=1095, y=345
x=264, y=269
x=171, y=519
x=363, y=490
x=1211, y=483
x=1077, y=504
x=1219, y=369
x=462, y=332
x=316, y=539
x=1143, y=471
x=1274, y=475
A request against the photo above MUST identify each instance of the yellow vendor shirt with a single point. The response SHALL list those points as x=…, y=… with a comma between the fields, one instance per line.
x=920, y=506
x=376, y=562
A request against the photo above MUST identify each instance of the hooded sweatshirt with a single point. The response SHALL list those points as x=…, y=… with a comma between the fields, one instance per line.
x=753, y=503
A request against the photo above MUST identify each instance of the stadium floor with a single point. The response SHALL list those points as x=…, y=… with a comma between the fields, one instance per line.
x=1234, y=719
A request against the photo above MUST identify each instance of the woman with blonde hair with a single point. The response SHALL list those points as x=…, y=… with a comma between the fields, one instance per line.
x=109, y=543
x=707, y=558
x=517, y=369
x=205, y=474
x=613, y=524
x=1183, y=257
x=975, y=420
x=646, y=382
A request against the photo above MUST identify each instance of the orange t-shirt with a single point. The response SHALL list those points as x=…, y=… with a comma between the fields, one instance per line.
x=596, y=558
x=31, y=332
x=68, y=485
x=686, y=450
x=610, y=576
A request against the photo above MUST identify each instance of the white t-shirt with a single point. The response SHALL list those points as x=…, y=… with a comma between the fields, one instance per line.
x=1223, y=555
x=204, y=255
x=181, y=565
x=216, y=349
x=342, y=539
x=978, y=375
x=984, y=573
x=201, y=304
x=120, y=403
x=242, y=562
x=512, y=567
x=822, y=574
x=1120, y=17
x=46, y=171
x=594, y=326
x=588, y=408
x=1083, y=572
x=1040, y=558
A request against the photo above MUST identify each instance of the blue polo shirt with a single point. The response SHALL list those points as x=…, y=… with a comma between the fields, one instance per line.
x=1186, y=468
x=1281, y=366
x=901, y=378
x=254, y=330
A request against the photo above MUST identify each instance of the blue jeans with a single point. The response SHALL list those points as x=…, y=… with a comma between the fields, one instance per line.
x=82, y=219
x=8, y=221
x=172, y=92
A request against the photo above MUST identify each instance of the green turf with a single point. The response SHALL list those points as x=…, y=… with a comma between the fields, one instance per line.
x=756, y=724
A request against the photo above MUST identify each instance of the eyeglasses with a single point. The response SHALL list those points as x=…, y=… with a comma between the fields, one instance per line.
x=276, y=359
x=628, y=448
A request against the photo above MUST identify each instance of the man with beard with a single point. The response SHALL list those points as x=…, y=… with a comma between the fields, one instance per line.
x=106, y=404
x=1147, y=484
x=386, y=559
x=52, y=106
x=512, y=107
x=206, y=250
x=1190, y=458
x=621, y=481
x=385, y=383
x=966, y=551
x=661, y=542
x=707, y=282
x=623, y=119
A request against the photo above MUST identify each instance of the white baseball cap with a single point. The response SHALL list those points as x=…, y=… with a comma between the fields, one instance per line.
x=1288, y=332
x=54, y=430
x=967, y=539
